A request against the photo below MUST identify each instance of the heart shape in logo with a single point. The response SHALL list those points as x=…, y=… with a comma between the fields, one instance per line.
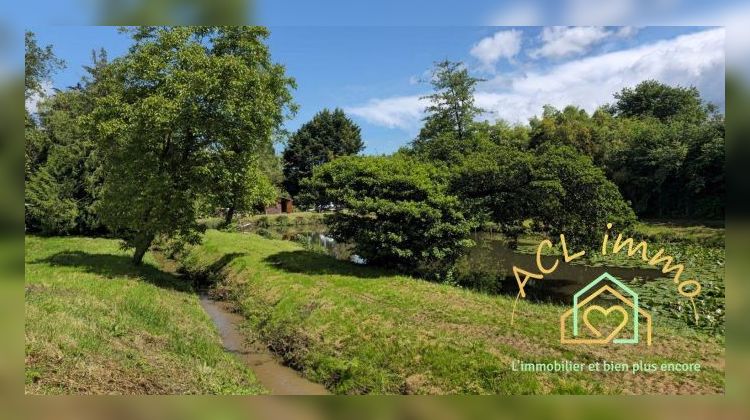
x=605, y=312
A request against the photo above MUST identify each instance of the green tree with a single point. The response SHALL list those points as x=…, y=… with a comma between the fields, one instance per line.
x=71, y=160
x=495, y=183
x=555, y=187
x=395, y=211
x=330, y=134
x=652, y=98
x=182, y=100
x=451, y=110
x=40, y=63
x=591, y=135
x=245, y=191
x=574, y=197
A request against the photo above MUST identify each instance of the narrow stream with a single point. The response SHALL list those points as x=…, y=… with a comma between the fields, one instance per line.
x=277, y=378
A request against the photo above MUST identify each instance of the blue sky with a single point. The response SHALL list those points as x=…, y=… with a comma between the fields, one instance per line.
x=374, y=73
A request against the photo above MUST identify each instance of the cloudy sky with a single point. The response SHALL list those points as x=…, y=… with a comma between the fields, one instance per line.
x=377, y=74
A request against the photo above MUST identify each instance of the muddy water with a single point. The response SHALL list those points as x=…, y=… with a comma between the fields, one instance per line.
x=277, y=378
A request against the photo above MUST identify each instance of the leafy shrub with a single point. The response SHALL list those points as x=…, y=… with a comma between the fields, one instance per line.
x=282, y=220
x=47, y=210
x=557, y=188
x=211, y=222
x=395, y=211
x=263, y=222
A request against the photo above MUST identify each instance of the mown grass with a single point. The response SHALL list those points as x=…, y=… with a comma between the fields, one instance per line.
x=364, y=330
x=96, y=324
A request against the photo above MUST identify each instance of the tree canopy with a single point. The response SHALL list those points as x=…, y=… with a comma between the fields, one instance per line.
x=451, y=108
x=330, y=134
x=184, y=103
x=396, y=212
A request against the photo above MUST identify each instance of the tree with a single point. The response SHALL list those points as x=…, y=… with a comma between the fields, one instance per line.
x=651, y=98
x=40, y=63
x=182, y=100
x=574, y=197
x=451, y=108
x=449, y=128
x=555, y=187
x=330, y=134
x=495, y=184
x=569, y=127
x=245, y=191
x=71, y=160
x=395, y=211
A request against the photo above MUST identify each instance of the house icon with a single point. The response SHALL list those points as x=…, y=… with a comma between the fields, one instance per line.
x=579, y=313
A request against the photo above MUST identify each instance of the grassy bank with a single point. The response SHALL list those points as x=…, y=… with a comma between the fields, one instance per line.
x=363, y=330
x=95, y=324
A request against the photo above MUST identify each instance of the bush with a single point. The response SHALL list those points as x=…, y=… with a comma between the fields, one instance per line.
x=263, y=222
x=395, y=212
x=559, y=189
x=211, y=222
x=282, y=220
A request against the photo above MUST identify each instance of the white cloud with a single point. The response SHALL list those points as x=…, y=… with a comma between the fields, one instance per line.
x=694, y=59
x=32, y=103
x=398, y=112
x=562, y=41
x=503, y=44
x=627, y=31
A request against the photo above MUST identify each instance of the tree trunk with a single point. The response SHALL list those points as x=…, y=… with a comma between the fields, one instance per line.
x=141, y=246
x=230, y=215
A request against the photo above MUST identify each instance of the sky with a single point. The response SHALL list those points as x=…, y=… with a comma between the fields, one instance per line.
x=378, y=74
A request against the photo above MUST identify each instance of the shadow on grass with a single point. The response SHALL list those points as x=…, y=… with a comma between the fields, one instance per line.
x=112, y=266
x=222, y=262
x=308, y=262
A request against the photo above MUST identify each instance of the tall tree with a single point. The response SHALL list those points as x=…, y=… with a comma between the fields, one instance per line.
x=330, y=134
x=40, y=63
x=186, y=101
x=652, y=98
x=451, y=108
x=70, y=161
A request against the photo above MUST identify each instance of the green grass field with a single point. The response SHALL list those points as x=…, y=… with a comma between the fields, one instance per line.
x=95, y=324
x=364, y=330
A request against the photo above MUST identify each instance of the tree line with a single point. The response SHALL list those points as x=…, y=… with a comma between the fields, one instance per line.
x=656, y=151
x=185, y=123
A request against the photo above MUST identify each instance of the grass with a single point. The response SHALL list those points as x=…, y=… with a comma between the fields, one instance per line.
x=96, y=324
x=695, y=233
x=363, y=330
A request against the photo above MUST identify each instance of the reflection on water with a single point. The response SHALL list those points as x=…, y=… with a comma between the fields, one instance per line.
x=487, y=266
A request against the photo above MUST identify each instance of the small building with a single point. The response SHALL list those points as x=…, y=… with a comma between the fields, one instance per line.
x=282, y=205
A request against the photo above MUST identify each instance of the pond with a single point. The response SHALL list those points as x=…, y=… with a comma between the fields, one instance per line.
x=487, y=266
